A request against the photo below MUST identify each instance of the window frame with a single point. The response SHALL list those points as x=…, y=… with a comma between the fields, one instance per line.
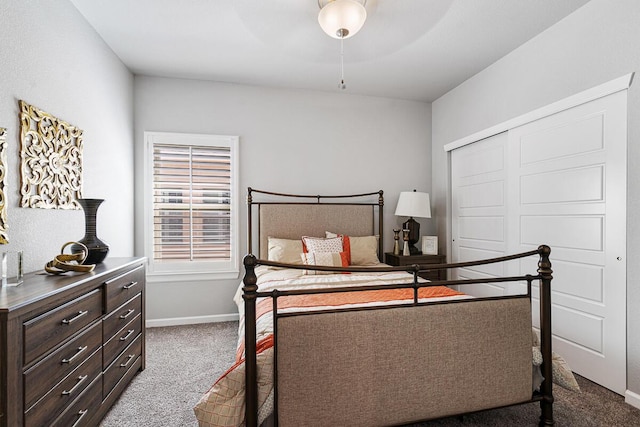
x=194, y=269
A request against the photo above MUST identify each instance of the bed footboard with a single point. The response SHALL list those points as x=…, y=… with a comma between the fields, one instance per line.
x=403, y=364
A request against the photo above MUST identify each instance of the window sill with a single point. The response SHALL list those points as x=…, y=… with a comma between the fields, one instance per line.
x=160, y=277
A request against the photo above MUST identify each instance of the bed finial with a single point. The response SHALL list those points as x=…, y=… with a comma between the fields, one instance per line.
x=544, y=264
x=381, y=198
x=249, y=197
x=250, y=279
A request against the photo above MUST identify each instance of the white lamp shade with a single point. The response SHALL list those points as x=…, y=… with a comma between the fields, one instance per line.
x=414, y=204
x=342, y=14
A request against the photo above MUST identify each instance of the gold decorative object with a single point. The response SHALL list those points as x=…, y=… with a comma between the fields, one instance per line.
x=51, y=154
x=4, y=238
x=396, y=243
x=69, y=262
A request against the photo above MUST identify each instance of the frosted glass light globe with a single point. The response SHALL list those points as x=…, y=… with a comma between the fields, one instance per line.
x=342, y=19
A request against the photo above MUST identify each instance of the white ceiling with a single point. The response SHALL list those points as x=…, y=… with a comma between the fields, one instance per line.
x=409, y=49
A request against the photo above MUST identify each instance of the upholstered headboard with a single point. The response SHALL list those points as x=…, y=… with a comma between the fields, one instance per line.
x=291, y=220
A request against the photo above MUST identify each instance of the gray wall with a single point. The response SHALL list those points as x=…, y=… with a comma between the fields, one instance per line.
x=51, y=58
x=290, y=141
x=597, y=43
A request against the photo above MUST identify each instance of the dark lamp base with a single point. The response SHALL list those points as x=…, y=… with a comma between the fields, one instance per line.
x=414, y=235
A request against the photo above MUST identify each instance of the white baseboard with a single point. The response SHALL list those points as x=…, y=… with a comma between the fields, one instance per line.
x=175, y=321
x=632, y=399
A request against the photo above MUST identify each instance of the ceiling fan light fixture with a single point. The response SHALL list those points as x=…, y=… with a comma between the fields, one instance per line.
x=342, y=19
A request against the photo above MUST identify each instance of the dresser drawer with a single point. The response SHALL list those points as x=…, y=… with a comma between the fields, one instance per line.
x=49, y=329
x=62, y=394
x=44, y=375
x=82, y=409
x=122, y=288
x=121, y=340
x=121, y=365
x=121, y=316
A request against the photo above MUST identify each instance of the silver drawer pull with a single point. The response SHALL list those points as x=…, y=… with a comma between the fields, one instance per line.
x=78, y=353
x=80, y=381
x=80, y=415
x=129, y=359
x=129, y=333
x=74, y=318
x=128, y=313
x=130, y=285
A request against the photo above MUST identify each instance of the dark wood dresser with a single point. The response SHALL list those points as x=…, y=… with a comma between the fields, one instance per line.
x=70, y=344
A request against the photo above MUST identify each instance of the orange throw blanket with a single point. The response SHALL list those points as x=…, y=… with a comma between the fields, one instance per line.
x=346, y=298
x=337, y=299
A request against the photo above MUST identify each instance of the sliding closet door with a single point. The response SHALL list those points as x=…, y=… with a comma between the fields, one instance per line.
x=479, y=194
x=560, y=181
x=568, y=171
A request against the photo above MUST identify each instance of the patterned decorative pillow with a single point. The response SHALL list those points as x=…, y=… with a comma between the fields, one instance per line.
x=284, y=250
x=319, y=244
x=362, y=250
x=560, y=370
x=562, y=374
x=329, y=259
x=535, y=338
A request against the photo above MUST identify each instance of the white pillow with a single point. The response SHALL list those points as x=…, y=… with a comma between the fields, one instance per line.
x=319, y=244
x=284, y=250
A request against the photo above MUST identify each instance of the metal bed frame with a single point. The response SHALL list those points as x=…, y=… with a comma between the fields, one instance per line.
x=544, y=275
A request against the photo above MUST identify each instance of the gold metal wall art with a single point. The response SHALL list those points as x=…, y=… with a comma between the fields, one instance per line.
x=4, y=238
x=51, y=160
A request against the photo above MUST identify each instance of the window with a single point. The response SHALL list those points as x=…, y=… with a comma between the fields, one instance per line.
x=191, y=207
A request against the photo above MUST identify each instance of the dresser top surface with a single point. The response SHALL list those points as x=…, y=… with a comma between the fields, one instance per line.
x=39, y=285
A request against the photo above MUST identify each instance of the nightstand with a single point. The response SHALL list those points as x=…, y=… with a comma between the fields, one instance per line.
x=397, y=260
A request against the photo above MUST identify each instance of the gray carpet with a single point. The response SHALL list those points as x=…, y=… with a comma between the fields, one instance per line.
x=183, y=362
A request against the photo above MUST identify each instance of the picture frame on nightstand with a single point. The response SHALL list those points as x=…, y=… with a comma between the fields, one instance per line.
x=430, y=245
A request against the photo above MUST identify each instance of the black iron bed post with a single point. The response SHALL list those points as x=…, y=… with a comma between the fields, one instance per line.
x=380, y=225
x=249, y=237
x=545, y=273
x=250, y=289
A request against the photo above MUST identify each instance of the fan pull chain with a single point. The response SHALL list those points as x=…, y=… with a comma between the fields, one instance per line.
x=342, y=85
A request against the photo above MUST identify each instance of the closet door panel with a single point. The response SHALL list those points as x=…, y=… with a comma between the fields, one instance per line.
x=567, y=176
x=479, y=208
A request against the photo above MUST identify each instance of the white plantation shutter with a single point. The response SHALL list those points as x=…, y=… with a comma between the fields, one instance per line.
x=192, y=201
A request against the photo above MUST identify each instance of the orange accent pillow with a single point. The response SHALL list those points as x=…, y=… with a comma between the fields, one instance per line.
x=346, y=247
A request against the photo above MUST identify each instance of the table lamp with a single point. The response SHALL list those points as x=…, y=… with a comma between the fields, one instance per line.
x=413, y=204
